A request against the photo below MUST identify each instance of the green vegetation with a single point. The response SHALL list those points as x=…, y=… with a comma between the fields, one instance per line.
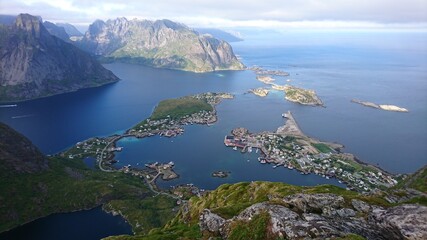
x=254, y=229
x=144, y=214
x=69, y=186
x=322, y=147
x=417, y=181
x=180, y=107
x=302, y=96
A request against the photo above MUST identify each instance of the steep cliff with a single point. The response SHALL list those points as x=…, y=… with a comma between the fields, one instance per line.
x=35, y=64
x=161, y=43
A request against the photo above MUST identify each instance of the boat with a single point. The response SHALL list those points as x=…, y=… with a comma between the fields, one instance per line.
x=275, y=166
x=235, y=148
x=249, y=149
x=256, y=150
x=263, y=161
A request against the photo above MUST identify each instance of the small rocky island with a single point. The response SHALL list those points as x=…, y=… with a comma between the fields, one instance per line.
x=385, y=107
x=301, y=96
x=220, y=174
x=262, y=92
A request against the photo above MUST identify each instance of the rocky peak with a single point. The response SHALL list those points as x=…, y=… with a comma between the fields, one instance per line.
x=31, y=24
x=33, y=63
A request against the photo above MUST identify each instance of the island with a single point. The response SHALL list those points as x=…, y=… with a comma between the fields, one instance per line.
x=380, y=106
x=168, y=119
x=260, y=71
x=265, y=79
x=262, y=92
x=302, y=96
x=220, y=174
x=289, y=147
x=245, y=210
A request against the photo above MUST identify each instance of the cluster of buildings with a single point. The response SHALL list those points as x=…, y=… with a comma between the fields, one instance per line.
x=299, y=153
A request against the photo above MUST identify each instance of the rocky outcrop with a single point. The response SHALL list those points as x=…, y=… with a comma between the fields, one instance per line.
x=401, y=222
x=18, y=154
x=319, y=216
x=35, y=64
x=161, y=43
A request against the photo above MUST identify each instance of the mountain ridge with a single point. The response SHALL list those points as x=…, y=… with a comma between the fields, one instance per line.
x=160, y=43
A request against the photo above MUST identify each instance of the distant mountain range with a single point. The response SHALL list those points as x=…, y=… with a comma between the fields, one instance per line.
x=160, y=43
x=38, y=58
x=35, y=63
x=220, y=34
x=70, y=29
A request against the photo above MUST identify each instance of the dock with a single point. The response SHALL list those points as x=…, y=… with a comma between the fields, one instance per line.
x=291, y=127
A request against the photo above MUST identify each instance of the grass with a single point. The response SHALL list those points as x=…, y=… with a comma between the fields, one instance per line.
x=254, y=229
x=180, y=107
x=322, y=147
x=145, y=214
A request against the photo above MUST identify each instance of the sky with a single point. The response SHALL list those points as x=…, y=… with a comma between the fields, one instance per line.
x=311, y=14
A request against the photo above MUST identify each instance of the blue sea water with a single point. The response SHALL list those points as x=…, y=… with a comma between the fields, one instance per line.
x=385, y=68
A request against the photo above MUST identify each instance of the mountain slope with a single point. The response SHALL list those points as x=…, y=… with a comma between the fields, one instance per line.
x=71, y=30
x=56, y=31
x=34, y=186
x=35, y=64
x=220, y=34
x=18, y=154
x=161, y=43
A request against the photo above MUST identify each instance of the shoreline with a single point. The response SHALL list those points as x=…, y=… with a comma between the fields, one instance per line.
x=147, y=128
x=291, y=148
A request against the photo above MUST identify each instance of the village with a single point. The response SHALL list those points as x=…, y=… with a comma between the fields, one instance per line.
x=291, y=149
x=103, y=148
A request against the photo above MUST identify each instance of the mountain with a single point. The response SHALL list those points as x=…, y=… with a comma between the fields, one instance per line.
x=36, y=64
x=7, y=19
x=71, y=30
x=56, y=31
x=220, y=34
x=18, y=154
x=160, y=43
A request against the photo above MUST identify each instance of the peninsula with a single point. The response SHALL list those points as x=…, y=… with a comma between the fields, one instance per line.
x=168, y=119
x=380, y=106
x=289, y=147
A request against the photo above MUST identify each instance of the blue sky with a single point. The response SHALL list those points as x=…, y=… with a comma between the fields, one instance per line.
x=318, y=14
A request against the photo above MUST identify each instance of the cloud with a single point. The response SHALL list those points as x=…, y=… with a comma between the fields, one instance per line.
x=267, y=13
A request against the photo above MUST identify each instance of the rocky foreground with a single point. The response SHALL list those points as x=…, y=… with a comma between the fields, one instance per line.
x=302, y=216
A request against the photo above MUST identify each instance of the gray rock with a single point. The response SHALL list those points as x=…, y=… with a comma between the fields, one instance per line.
x=360, y=206
x=401, y=222
x=210, y=221
x=346, y=212
x=314, y=202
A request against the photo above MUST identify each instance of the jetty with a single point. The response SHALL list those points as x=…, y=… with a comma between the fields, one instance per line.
x=291, y=127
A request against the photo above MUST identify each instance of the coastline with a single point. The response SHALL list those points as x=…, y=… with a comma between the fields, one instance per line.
x=291, y=148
